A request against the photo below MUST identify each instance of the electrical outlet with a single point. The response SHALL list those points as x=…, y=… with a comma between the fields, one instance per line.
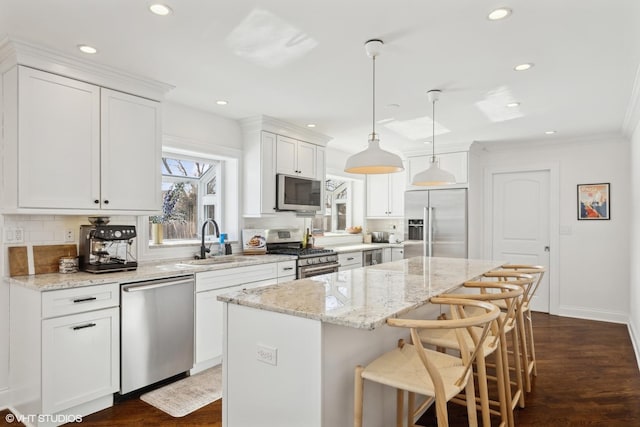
x=68, y=236
x=267, y=355
x=19, y=235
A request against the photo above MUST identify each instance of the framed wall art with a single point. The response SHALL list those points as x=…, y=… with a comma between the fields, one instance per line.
x=594, y=201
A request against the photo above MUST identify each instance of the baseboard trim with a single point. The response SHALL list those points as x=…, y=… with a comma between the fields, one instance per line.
x=591, y=314
x=4, y=398
x=635, y=341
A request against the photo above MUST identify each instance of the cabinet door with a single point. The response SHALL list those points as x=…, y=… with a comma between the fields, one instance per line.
x=131, y=152
x=286, y=155
x=306, y=159
x=80, y=358
x=396, y=194
x=377, y=195
x=397, y=254
x=59, y=142
x=210, y=321
x=386, y=255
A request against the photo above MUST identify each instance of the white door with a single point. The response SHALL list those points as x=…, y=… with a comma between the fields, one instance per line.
x=520, y=224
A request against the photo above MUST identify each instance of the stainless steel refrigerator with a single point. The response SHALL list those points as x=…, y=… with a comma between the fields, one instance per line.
x=435, y=223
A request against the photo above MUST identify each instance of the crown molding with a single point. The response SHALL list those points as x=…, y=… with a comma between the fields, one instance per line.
x=280, y=127
x=15, y=52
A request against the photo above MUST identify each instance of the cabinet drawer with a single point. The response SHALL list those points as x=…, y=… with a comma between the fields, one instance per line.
x=287, y=268
x=78, y=300
x=219, y=279
x=350, y=258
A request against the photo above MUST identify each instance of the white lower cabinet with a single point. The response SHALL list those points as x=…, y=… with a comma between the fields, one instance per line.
x=397, y=254
x=78, y=355
x=386, y=255
x=209, y=311
x=350, y=260
x=65, y=351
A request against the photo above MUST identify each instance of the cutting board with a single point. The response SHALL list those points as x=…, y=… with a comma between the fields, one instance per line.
x=46, y=258
x=18, y=261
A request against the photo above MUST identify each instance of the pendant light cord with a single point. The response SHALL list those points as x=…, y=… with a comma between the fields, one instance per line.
x=433, y=128
x=373, y=102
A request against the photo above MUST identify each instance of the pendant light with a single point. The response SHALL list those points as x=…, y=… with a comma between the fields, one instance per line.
x=433, y=175
x=374, y=160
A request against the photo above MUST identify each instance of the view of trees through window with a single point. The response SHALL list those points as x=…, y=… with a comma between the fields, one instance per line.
x=336, y=206
x=189, y=195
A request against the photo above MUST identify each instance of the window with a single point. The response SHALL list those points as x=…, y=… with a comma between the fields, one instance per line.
x=337, y=199
x=190, y=194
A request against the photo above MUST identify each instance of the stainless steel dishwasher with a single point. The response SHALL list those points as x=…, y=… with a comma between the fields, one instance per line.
x=156, y=330
x=372, y=257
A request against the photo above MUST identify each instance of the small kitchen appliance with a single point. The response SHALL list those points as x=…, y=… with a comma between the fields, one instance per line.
x=104, y=248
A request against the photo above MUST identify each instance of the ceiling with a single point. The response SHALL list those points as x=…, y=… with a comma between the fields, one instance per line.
x=304, y=61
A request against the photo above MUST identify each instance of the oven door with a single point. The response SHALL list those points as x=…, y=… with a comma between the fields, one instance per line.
x=317, y=269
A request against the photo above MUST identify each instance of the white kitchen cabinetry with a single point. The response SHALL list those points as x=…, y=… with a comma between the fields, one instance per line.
x=75, y=147
x=286, y=271
x=385, y=195
x=267, y=152
x=397, y=254
x=294, y=157
x=209, y=311
x=386, y=255
x=349, y=260
x=65, y=350
x=456, y=163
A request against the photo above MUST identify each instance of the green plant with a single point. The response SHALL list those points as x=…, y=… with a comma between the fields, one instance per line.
x=170, y=199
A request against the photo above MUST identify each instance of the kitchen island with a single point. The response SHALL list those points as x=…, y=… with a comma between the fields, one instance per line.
x=291, y=348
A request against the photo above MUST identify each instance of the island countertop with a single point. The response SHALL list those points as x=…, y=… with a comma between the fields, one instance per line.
x=365, y=298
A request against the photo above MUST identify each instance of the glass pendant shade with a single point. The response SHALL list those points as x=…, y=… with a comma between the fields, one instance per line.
x=374, y=160
x=433, y=176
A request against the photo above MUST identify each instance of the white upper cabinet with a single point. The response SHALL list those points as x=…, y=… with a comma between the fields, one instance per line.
x=131, y=150
x=385, y=195
x=294, y=157
x=77, y=137
x=59, y=141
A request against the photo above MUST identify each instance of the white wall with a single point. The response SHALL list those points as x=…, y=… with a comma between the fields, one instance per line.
x=634, y=252
x=592, y=280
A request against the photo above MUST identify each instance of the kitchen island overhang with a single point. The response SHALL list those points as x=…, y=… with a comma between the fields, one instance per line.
x=290, y=349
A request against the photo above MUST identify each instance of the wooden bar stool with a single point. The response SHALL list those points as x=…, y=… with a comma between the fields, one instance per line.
x=438, y=376
x=525, y=324
x=511, y=295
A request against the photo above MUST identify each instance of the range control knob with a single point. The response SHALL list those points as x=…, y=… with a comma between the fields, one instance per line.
x=117, y=233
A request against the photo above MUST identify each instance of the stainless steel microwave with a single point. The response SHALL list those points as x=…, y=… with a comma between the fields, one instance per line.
x=294, y=193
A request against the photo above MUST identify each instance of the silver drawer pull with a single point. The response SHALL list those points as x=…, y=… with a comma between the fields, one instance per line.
x=84, y=299
x=288, y=268
x=350, y=259
x=88, y=325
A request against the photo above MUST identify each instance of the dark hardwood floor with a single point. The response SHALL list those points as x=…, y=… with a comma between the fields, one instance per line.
x=587, y=376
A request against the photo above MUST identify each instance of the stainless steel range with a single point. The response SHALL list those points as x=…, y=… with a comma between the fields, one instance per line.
x=311, y=261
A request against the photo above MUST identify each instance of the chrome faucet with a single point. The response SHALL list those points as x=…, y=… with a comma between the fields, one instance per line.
x=203, y=249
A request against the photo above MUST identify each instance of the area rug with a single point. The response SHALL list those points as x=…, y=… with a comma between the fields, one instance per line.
x=185, y=396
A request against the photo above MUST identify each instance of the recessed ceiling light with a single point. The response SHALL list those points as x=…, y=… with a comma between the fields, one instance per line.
x=499, y=13
x=523, y=67
x=222, y=102
x=550, y=132
x=311, y=125
x=513, y=104
x=87, y=49
x=160, y=9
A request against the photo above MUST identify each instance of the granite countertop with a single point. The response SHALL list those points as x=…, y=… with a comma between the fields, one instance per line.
x=145, y=271
x=363, y=247
x=365, y=298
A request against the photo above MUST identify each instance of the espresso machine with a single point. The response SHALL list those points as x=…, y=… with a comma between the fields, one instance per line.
x=104, y=248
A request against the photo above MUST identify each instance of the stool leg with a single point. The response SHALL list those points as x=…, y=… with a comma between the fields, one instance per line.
x=411, y=407
x=504, y=382
x=357, y=397
x=532, y=349
x=472, y=413
x=517, y=360
x=484, y=391
x=399, y=407
x=524, y=350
